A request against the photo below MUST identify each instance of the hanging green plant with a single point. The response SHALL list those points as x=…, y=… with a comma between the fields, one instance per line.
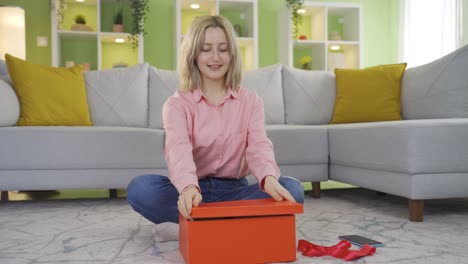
x=140, y=9
x=60, y=12
x=296, y=18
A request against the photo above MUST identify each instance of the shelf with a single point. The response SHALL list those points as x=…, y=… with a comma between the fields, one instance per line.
x=304, y=43
x=313, y=23
x=324, y=25
x=241, y=16
x=208, y=7
x=113, y=53
x=79, y=51
x=88, y=9
x=72, y=34
x=96, y=47
x=344, y=21
x=346, y=57
x=315, y=50
x=241, y=13
x=112, y=36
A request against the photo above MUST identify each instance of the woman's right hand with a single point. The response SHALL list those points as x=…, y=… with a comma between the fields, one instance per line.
x=190, y=197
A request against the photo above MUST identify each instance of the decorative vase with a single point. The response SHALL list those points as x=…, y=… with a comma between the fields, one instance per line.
x=306, y=66
x=118, y=28
x=86, y=66
x=335, y=36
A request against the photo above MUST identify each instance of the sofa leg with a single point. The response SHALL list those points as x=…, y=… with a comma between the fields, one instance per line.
x=4, y=196
x=112, y=193
x=416, y=210
x=315, y=190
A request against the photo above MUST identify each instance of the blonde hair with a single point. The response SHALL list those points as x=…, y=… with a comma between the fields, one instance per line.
x=190, y=76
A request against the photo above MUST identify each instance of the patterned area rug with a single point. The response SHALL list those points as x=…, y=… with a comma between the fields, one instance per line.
x=109, y=231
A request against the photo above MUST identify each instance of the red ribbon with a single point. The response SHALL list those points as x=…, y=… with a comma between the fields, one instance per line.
x=340, y=250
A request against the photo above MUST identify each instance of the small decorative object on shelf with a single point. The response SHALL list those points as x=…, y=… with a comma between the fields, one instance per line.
x=334, y=35
x=295, y=6
x=80, y=24
x=302, y=37
x=118, y=21
x=304, y=61
x=86, y=66
x=238, y=30
x=69, y=64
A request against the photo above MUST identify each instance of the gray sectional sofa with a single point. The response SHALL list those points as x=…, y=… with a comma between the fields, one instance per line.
x=422, y=157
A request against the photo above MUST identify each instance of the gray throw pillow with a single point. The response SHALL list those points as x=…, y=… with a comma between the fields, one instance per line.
x=3, y=68
x=162, y=84
x=9, y=103
x=438, y=89
x=266, y=82
x=119, y=96
x=309, y=96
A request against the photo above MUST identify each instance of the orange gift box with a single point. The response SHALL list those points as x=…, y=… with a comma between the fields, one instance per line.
x=247, y=231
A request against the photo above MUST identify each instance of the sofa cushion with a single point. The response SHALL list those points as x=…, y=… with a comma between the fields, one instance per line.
x=438, y=89
x=411, y=147
x=118, y=97
x=368, y=95
x=24, y=148
x=49, y=95
x=162, y=84
x=267, y=83
x=299, y=145
x=9, y=104
x=309, y=96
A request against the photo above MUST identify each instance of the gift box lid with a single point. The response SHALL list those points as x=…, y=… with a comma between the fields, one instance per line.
x=259, y=207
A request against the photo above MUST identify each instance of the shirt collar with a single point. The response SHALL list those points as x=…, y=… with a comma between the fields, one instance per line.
x=198, y=94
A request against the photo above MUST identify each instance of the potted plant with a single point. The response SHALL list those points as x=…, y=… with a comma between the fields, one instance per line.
x=296, y=18
x=140, y=9
x=118, y=21
x=304, y=61
x=80, y=23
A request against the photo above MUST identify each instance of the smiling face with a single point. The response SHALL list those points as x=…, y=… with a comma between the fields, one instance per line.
x=214, y=57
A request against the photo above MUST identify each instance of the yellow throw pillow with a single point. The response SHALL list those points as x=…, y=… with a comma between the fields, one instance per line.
x=368, y=95
x=49, y=96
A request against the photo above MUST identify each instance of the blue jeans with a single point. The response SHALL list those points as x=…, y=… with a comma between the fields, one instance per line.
x=154, y=196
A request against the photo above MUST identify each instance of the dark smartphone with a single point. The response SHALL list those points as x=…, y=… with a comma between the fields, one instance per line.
x=361, y=241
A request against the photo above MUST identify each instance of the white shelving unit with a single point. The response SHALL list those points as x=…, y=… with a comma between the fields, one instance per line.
x=241, y=13
x=325, y=26
x=97, y=47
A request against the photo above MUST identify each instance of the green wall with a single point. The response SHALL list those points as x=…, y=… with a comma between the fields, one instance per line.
x=160, y=40
x=380, y=38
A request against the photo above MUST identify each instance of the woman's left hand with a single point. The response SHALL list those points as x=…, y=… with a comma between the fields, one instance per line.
x=275, y=190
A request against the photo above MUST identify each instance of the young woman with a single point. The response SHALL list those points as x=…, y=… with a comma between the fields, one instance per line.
x=215, y=136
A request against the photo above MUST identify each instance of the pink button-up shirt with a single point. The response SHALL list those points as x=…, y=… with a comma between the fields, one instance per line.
x=226, y=140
